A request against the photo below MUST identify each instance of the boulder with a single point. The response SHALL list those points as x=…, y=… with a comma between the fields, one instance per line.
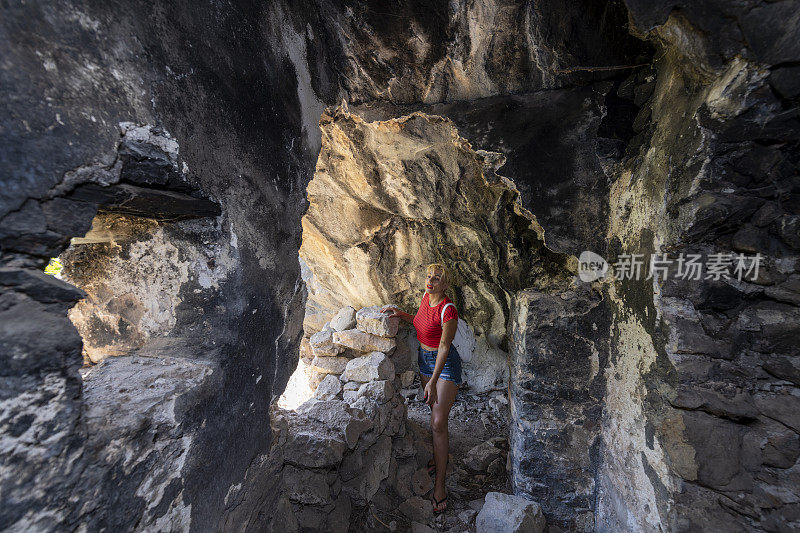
x=407, y=378
x=351, y=385
x=372, y=320
x=405, y=355
x=305, y=486
x=374, y=366
x=421, y=482
x=363, y=342
x=497, y=467
x=305, y=349
x=488, y=368
x=329, y=365
x=339, y=519
x=379, y=391
x=344, y=319
x=371, y=467
x=350, y=396
x=481, y=456
x=322, y=344
x=313, y=447
x=338, y=415
x=417, y=508
x=329, y=388
x=509, y=513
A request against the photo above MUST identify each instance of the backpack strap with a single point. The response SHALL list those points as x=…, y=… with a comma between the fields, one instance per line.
x=441, y=318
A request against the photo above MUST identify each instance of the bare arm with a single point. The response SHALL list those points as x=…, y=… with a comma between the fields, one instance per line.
x=395, y=312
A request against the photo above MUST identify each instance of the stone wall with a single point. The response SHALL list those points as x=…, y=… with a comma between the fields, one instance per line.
x=699, y=392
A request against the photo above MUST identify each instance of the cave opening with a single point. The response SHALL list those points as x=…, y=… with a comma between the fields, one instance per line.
x=389, y=197
x=136, y=272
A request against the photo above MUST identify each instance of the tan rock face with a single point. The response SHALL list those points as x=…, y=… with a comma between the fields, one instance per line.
x=389, y=197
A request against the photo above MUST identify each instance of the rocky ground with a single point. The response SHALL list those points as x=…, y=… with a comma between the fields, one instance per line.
x=478, y=446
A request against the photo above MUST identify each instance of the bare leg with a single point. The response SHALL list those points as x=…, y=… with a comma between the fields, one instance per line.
x=446, y=391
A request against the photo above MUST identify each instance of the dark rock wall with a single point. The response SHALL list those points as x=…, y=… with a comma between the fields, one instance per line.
x=226, y=83
x=700, y=389
x=559, y=346
x=425, y=51
x=549, y=140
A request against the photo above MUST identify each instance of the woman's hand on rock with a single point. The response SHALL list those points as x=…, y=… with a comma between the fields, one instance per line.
x=393, y=310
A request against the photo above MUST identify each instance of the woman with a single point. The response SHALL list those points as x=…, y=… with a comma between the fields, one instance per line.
x=439, y=367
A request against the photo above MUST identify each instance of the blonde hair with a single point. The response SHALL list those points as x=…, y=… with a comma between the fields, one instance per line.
x=445, y=272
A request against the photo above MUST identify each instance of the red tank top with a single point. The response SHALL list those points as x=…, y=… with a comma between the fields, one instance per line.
x=428, y=321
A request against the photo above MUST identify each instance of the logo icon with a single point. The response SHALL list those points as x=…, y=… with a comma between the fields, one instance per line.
x=591, y=266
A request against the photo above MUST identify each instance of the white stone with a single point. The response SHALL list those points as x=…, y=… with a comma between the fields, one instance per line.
x=350, y=396
x=344, y=319
x=329, y=365
x=352, y=385
x=374, y=366
x=372, y=320
x=329, y=388
x=322, y=344
x=509, y=513
x=488, y=368
x=363, y=342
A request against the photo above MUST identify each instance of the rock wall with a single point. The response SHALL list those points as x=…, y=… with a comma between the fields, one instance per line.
x=131, y=109
x=700, y=392
x=145, y=280
x=560, y=348
x=389, y=197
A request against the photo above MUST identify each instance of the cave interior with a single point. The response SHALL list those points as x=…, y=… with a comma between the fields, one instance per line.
x=215, y=182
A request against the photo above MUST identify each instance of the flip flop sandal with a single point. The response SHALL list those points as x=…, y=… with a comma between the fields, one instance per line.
x=437, y=503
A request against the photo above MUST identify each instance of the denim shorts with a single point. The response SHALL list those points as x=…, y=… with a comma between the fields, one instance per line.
x=452, y=366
